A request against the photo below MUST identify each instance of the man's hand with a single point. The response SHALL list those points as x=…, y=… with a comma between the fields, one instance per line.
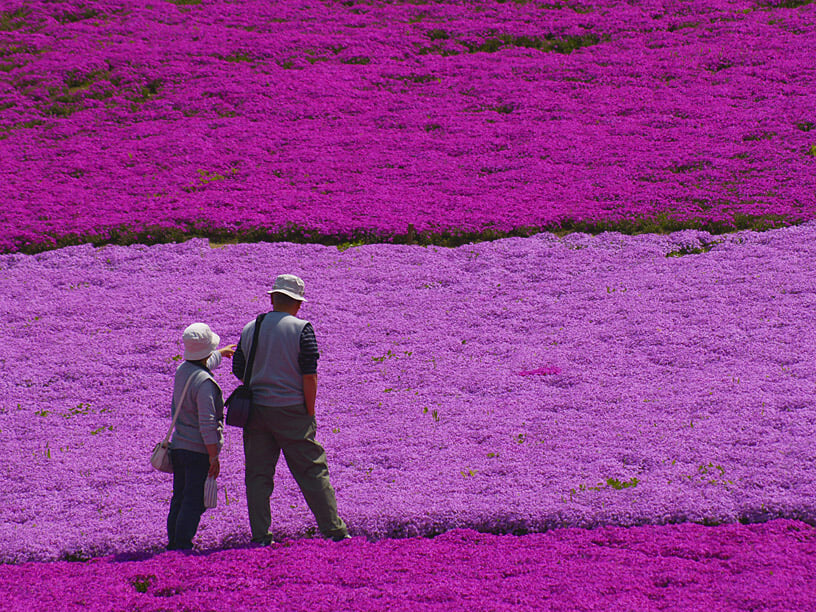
x=310, y=392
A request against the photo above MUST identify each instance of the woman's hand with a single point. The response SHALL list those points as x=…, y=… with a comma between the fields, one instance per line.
x=215, y=467
x=228, y=351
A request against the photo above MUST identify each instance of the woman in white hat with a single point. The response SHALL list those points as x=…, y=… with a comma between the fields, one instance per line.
x=199, y=432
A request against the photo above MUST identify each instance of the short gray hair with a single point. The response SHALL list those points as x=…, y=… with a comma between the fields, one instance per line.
x=283, y=300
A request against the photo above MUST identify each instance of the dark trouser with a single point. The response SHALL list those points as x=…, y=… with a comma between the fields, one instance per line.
x=189, y=475
x=289, y=429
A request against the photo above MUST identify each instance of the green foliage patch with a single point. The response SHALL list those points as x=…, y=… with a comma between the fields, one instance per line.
x=660, y=224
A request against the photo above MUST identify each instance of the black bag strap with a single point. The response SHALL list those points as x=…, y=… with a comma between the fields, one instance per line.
x=251, y=361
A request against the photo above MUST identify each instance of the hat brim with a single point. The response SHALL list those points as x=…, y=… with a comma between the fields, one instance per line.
x=294, y=296
x=203, y=354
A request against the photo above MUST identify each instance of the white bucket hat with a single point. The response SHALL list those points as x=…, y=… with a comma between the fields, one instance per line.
x=199, y=341
x=291, y=285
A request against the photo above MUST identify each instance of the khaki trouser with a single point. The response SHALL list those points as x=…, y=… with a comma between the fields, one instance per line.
x=289, y=429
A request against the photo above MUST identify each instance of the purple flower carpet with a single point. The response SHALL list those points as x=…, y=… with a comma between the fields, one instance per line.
x=514, y=386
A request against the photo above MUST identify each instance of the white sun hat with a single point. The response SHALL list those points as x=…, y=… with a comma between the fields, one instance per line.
x=291, y=285
x=199, y=341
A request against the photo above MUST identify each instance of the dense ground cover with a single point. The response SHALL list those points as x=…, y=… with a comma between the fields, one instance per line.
x=511, y=386
x=682, y=567
x=414, y=121
x=519, y=386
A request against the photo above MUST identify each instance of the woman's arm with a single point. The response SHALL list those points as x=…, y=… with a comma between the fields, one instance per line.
x=215, y=464
x=214, y=360
x=208, y=425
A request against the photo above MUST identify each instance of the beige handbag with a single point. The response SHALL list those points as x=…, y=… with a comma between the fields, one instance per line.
x=160, y=457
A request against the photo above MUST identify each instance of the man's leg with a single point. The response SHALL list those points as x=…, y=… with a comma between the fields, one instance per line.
x=261, y=453
x=307, y=462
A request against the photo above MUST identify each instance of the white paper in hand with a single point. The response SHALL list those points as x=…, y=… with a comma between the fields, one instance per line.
x=210, y=493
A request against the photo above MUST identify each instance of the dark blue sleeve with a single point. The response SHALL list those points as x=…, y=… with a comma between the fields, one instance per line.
x=307, y=359
x=239, y=363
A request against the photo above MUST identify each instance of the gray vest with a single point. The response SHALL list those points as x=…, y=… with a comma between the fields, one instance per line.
x=276, y=377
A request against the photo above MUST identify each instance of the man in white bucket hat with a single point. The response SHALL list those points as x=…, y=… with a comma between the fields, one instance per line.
x=282, y=419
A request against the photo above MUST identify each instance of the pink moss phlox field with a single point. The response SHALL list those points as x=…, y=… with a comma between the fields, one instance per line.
x=351, y=119
x=770, y=566
x=685, y=390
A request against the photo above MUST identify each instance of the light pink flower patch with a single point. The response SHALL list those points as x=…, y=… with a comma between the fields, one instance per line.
x=544, y=371
x=685, y=382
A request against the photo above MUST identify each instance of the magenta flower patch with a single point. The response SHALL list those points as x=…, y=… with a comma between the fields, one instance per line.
x=361, y=121
x=678, y=567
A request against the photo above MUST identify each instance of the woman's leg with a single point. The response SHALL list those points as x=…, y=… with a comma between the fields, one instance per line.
x=195, y=467
x=175, y=502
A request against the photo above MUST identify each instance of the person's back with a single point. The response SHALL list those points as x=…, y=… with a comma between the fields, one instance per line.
x=282, y=419
x=277, y=378
x=198, y=433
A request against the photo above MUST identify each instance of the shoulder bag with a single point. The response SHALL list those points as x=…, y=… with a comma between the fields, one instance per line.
x=239, y=403
x=160, y=457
